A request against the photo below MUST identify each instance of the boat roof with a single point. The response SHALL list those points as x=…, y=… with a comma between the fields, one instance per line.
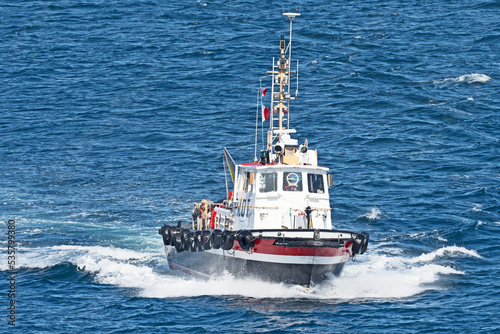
x=275, y=164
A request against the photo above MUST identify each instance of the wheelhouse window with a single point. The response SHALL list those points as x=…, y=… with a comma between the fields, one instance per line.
x=292, y=181
x=315, y=183
x=268, y=182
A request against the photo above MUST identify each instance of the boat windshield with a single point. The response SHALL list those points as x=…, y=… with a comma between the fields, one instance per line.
x=315, y=183
x=268, y=182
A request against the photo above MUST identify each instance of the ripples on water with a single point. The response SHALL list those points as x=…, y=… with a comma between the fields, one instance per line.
x=114, y=116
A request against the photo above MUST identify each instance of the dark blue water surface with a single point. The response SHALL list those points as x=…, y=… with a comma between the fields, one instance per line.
x=113, y=119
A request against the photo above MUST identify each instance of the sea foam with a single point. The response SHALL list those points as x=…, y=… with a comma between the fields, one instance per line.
x=377, y=275
x=468, y=78
x=373, y=214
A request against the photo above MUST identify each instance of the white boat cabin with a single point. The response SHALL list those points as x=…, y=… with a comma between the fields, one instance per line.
x=281, y=197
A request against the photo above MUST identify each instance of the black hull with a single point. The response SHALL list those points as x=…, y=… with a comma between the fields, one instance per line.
x=210, y=264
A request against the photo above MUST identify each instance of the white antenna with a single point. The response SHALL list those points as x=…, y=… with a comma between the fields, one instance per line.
x=290, y=16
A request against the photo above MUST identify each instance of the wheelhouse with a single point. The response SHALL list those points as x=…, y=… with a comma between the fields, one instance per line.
x=281, y=196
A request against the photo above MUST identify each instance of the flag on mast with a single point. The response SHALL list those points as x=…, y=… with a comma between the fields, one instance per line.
x=265, y=110
x=265, y=113
x=231, y=165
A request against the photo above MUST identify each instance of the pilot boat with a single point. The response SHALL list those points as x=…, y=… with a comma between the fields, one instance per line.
x=275, y=222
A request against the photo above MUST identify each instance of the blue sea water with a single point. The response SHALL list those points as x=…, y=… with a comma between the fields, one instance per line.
x=113, y=119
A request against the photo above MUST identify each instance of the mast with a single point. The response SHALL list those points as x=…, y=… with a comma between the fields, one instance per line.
x=280, y=99
x=290, y=16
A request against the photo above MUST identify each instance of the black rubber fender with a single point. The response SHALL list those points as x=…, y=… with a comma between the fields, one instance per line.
x=164, y=235
x=205, y=240
x=365, y=243
x=215, y=239
x=192, y=242
x=177, y=242
x=167, y=240
x=197, y=241
x=161, y=230
x=185, y=242
x=171, y=235
x=227, y=240
x=358, y=243
x=246, y=240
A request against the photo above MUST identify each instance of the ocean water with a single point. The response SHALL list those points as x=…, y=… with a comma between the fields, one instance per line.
x=113, y=119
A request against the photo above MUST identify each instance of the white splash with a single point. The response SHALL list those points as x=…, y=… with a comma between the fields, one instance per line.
x=378, y=274
x=110, y=252
x=468, y=78
x=477, y=207
x=168, y=286
x=446, y=251
x=373, y=214
x=386, y=279
x=382, y=276
x=44, y=257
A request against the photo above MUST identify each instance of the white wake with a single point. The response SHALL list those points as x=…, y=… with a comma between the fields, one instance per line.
x=377, y=275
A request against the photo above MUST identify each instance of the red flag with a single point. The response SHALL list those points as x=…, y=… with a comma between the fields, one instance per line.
x=265, y=113
x=263, y=92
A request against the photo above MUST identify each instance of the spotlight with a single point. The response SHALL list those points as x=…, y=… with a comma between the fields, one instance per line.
x=279, y=148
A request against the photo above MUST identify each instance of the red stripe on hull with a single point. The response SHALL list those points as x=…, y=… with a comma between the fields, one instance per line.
x=266, y=246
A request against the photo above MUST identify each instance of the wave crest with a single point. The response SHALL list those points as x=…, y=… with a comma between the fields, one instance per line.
x=468, y=78
x=447, y=251
x=377, y=275
x=373, y=214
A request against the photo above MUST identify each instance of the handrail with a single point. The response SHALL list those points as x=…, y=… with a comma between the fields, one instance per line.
x=275, y=207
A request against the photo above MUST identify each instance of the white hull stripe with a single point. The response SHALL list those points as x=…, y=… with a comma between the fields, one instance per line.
x=286, y=259
x=273, y=258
